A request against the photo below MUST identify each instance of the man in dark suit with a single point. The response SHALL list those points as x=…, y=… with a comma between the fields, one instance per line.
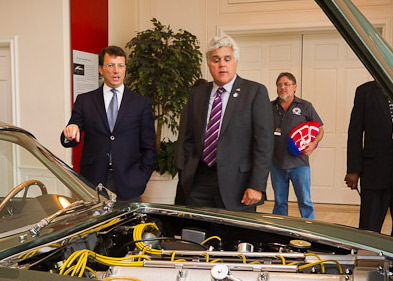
x=370, y=154
x=179, y=151
x=119, y=137
x=229, y=142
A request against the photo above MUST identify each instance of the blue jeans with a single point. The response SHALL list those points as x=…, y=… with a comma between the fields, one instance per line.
x=301, y=181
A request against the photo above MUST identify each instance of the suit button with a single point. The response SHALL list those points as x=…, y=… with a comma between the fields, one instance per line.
x=112, y=137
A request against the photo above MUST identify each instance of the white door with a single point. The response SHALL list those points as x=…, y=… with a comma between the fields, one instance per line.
x=263, y=57
x=6, y=167
x=327, y=74
x=5, y=85
x=331, y=73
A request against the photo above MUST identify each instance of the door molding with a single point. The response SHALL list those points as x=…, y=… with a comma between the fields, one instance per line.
x=381, y=24
x=12, y=44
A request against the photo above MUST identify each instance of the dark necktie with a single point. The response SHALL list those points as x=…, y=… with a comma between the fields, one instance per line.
x=212, y=130
x=112, y=110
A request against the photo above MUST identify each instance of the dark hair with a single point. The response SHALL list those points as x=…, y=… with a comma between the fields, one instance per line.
x=112, y=51
x=289, y=75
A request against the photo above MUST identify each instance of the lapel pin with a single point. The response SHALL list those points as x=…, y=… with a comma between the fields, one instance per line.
x=235, y=95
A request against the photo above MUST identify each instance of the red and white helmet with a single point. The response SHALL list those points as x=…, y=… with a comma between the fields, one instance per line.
x=301, y=136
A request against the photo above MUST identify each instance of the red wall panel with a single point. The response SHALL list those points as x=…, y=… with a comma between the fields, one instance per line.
x=89, y=33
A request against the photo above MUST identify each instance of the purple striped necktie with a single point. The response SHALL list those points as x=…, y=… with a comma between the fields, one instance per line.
x=212, y=130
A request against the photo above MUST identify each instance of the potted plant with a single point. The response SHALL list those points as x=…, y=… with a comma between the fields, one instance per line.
x=163, y=65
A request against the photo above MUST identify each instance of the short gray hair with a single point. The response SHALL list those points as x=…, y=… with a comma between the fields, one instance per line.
x=222, y=41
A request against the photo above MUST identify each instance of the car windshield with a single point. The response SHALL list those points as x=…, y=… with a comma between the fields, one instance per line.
x=35, y=184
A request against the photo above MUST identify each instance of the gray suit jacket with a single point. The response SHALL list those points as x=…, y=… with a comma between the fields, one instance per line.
x=245, y=144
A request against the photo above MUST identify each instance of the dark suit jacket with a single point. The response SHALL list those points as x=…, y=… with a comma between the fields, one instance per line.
x=179, y=151
x=132, y=142
x=245, y=144
x=373, y=160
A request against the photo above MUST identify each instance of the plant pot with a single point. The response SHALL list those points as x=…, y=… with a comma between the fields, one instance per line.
x=160, y=189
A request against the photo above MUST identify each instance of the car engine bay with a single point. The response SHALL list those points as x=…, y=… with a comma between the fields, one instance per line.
x=161, y=244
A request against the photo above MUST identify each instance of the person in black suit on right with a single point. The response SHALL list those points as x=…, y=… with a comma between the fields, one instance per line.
x=370, y=154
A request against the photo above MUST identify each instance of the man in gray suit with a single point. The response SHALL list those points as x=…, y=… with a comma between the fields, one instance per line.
x=229, y=142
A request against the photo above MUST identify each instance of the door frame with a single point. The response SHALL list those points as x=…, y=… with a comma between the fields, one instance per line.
x=12, y=44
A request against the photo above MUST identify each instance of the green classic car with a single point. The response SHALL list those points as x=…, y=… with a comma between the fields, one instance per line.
x=57, y=226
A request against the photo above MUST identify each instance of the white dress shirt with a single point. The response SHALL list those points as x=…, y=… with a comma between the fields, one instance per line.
x=108, y=94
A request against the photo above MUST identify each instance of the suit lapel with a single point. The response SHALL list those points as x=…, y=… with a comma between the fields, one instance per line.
x=203, y=107
x=100, y=105
x=231, y=105
x=126, y=99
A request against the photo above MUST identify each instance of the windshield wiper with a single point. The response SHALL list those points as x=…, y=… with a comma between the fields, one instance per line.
x=45, y=221
x=35, y=231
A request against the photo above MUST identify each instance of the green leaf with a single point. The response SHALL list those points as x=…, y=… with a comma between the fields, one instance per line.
x=162, y=65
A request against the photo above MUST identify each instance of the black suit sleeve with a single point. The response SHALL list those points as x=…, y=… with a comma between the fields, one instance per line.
x=148, y=139
x=355, y=133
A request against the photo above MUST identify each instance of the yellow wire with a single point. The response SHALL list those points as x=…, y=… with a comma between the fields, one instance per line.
x=216, y=260
x=142, y=253
x=69, y=260
x=32, y=253
x=315, y=255
x=82, y=259
x=137, y=235
x=112, y=222
x=68, y=270
x=319, y=262
x=211, y=237
x=92, y=271
x=282, y=259
x=88, y=268
x=173, y=256
x=80, y=266
x=207, y=256
x=255, y=262
x=243, y=258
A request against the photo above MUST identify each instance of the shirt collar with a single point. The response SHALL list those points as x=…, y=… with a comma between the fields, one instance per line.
x=295, y=100
x=119, y=89
x=227, y=87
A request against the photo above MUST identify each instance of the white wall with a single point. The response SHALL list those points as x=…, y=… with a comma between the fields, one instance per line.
x=122, y=21
x=42, y=30
x=43, y=68
x=205, y=18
